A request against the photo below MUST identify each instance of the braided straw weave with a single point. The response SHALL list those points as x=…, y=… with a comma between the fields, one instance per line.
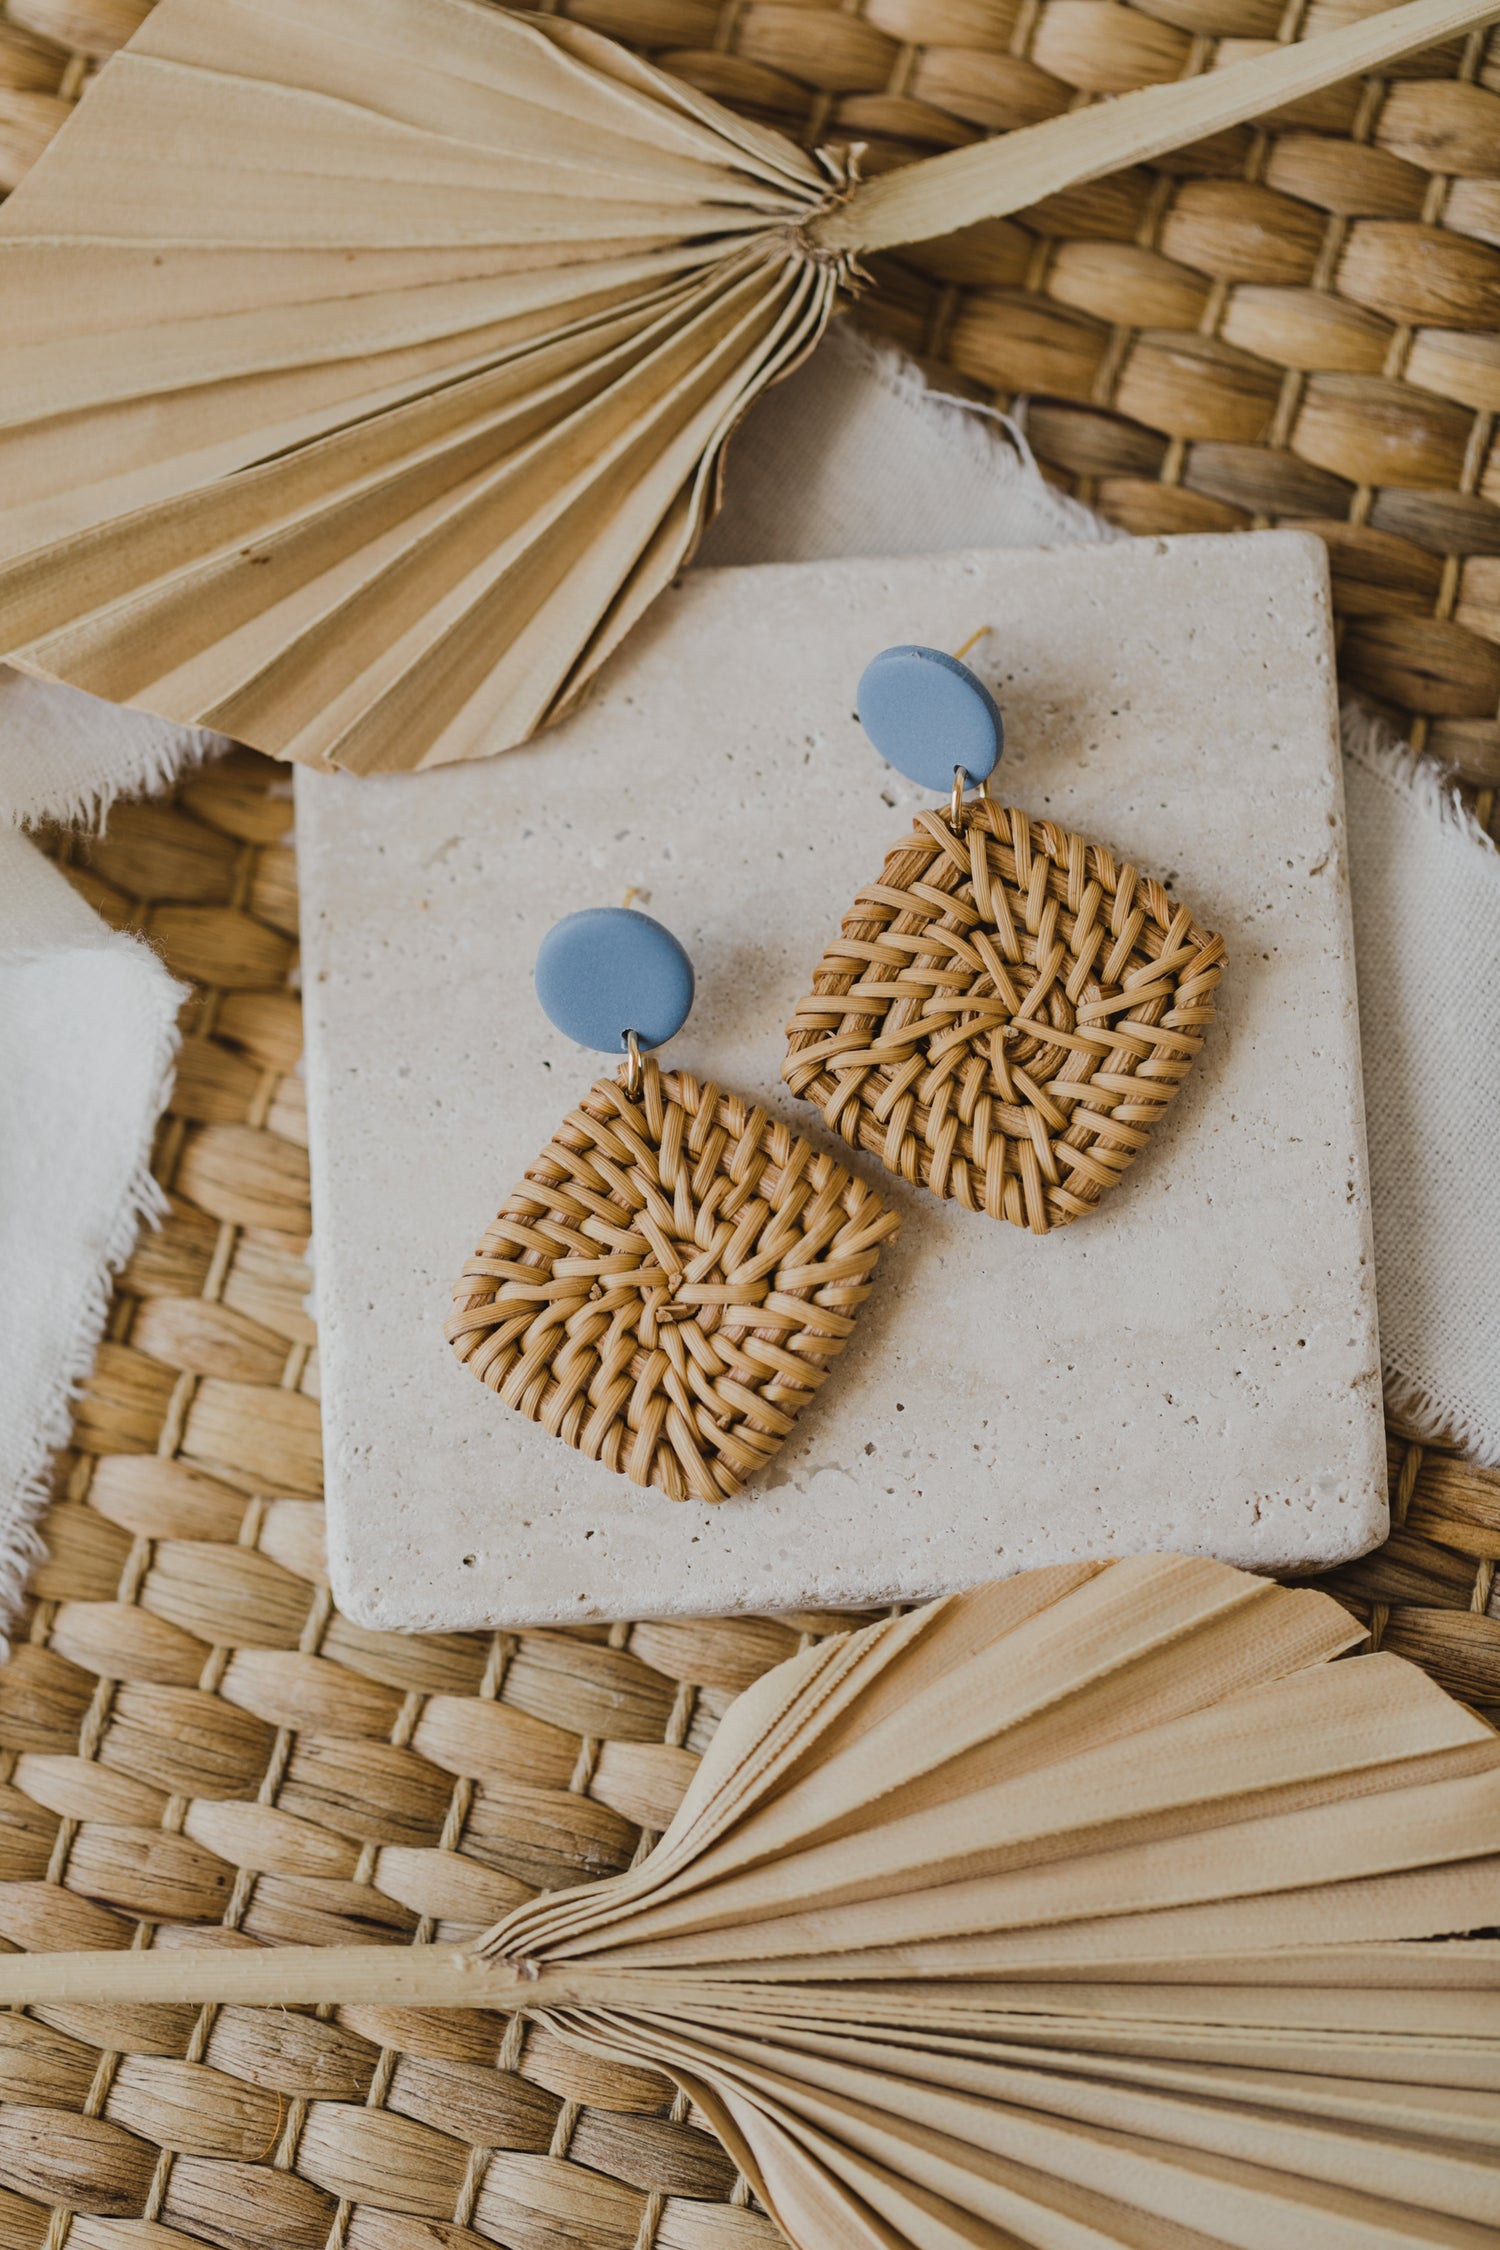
x=1005, y=1015
x=197, y=1748
x=1293, y=322
x=669, y=1284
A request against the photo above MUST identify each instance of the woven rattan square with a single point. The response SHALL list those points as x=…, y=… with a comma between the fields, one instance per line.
x=670, y=1283
x=1005, y=1015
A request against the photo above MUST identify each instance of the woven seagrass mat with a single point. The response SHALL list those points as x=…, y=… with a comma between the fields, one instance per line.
x=198, y=1749
x=1294, y=322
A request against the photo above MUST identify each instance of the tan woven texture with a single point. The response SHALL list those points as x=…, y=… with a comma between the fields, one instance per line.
x=1290, y=323
x=198, y=1748
x=669, y=1284
x=1020, y=1073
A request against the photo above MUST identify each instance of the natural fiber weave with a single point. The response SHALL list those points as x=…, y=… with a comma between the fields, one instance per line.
x=1005, y=1015
x=669, y=1284
x=200, y=1750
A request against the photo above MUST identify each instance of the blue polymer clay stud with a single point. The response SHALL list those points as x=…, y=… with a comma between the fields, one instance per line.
x=608, y=971
x=929, y=716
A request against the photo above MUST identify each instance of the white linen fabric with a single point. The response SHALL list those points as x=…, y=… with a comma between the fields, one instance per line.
x=88, y=1033
x=853, y=455
x=1426, y=886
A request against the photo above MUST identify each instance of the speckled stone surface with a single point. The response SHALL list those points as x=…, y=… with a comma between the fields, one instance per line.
x=1194, y=1367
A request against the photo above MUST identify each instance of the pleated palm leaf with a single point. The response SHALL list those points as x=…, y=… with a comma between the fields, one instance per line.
x=1097, y=1910
x=368, y=364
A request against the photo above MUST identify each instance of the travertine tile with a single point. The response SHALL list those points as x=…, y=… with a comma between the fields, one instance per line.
x=1194, y=1367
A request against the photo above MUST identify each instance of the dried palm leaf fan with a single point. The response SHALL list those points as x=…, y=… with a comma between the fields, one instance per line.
x=1091, y=1909
x=367, y=364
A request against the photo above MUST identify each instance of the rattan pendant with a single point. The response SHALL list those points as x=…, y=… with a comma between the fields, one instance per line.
x=367, y=368
x=1091, y=1911
x=674, y=1278
x=1005, y=1015
x=670, y=1284
x=1008, y=1010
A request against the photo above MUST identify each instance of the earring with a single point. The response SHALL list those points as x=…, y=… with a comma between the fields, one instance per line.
x=671, y=1281
x=1007, y=1011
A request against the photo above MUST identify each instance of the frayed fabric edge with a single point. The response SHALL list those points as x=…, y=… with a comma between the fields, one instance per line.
x=144, y=1203
x=1371, y=741
x=1423, y=1415
x=86, y=804
x=70, y=754
x=963, y=421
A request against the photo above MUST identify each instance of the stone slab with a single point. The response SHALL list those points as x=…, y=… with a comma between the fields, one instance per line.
x=1195, y=1367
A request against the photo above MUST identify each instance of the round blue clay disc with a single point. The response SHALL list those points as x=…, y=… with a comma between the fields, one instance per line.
x=609, y=970
x=927, y=713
